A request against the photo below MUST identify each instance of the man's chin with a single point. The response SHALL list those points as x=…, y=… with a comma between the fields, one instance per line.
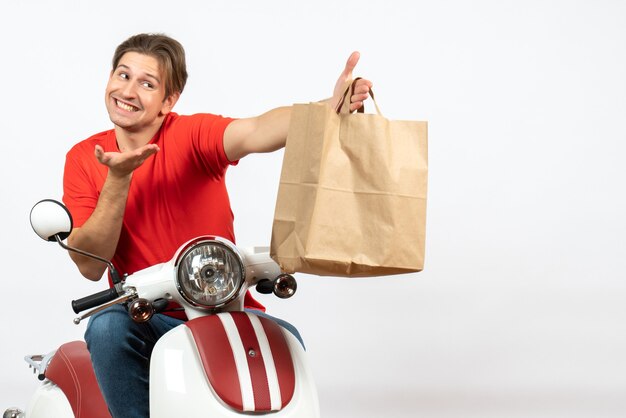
x=122, y=123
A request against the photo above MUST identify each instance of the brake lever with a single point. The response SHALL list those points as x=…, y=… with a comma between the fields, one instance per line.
x=130, y=294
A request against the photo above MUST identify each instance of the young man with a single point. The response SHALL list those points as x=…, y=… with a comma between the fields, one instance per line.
x=156, y=181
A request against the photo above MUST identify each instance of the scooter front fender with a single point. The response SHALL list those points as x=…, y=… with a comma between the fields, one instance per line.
x=180, y=386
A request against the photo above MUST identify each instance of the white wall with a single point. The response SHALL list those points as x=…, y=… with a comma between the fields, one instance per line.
x=520, y=311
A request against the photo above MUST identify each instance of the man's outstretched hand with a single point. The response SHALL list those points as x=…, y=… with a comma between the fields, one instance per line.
x=361, y=89
x=124, y=163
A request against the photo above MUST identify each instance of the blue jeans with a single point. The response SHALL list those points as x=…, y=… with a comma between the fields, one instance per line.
x=120, y=352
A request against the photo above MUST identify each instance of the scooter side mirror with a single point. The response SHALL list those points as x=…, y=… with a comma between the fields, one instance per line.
x=52, y=221
x=50, y=218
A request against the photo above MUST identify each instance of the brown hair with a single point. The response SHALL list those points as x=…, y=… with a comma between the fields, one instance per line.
x=167, y=51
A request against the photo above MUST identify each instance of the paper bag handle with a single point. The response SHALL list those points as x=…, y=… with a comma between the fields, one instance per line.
x=346, y=103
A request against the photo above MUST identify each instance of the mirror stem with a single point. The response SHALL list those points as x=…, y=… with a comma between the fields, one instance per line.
x=115, y=277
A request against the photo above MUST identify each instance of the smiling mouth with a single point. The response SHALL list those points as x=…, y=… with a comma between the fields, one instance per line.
x=126, y=106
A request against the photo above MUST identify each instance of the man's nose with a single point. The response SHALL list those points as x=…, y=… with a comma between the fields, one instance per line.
x=129, y=90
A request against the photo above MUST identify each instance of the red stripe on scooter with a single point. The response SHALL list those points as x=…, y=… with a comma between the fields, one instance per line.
x=282, y=359
x=217, y=358
x=258, y=374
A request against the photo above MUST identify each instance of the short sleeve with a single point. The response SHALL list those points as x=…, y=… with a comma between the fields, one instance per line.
x=80, y=193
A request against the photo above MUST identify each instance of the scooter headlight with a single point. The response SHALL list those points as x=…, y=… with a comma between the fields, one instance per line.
x=210, y=273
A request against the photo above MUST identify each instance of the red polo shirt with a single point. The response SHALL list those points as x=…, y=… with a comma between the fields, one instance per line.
x=175, y=195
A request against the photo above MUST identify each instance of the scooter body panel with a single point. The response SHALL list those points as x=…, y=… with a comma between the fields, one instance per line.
x=49, y=401
x=179, y=385
x=184, y=374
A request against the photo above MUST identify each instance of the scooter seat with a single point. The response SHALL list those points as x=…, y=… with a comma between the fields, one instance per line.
x=71, y=370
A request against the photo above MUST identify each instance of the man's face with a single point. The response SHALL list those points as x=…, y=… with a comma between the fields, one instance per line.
x=135, y=93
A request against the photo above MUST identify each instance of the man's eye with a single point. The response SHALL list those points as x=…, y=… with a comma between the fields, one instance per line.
x=124, y=76
x=147, y=84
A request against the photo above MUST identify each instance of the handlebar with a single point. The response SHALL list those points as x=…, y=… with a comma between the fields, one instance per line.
x=94, y=300
x=284, y=286
x=265, y=286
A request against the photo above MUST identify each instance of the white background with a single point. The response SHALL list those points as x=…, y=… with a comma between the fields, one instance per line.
x=521, y=310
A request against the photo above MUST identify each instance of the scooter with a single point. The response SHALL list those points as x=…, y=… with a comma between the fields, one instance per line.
x=222, y=362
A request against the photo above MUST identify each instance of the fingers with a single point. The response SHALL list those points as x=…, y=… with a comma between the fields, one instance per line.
x=152, y=148
x=361, y=88
x=355, y=106
x=361, y=93
x=127, y=161
x=101, y=155
x=345, y=78
x=353, y=60
x=147, y=150
x=134, y=159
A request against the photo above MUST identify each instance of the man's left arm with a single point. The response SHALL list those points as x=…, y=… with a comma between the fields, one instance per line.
x=268, y=132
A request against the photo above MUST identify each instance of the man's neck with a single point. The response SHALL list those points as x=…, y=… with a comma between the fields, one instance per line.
x=130, y=140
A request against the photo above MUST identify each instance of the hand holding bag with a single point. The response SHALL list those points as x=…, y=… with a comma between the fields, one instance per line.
x=352, y=194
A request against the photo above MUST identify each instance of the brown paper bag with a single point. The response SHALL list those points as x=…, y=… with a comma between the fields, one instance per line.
x=352, y=194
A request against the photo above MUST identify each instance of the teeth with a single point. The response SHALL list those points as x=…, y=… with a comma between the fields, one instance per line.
x=126, y=107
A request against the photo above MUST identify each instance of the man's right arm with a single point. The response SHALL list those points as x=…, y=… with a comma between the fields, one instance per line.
x=100, y=234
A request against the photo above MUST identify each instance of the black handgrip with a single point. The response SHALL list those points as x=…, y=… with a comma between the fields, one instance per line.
x=265, y=286
x=94, y=300
x=159, y=305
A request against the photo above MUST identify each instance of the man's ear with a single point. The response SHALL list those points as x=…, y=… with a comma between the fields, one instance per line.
x=169, y=103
